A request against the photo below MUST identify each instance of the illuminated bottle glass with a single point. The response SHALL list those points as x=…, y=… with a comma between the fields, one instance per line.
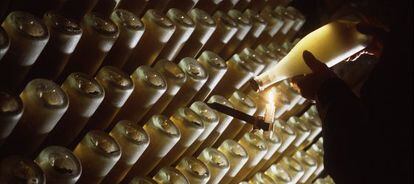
x=278, y=174
x=226, y=29
x=85, y=95
x=98, y=153
x=44, y=105
x=217, y=164
x=142, y=180
x=216, y=67
x=222, y=125
x=261, y=178
x=204, y=28
x=314, y=124
x=131, y=30
x=170, y=175
x=289, y=20
x=118, y=87
x=293, y=168
x=227, y=5
x=258, y=26
x=237, y=157
x=302, y=133
x=287, y=136
x=241, y=5
x=59, y=165
x=344, y=41
x=137, y=7
x=65, y=34
x=244, y=25
x=164, y=135
x=150, y=85
x=183, y=5
x=210, y=120
x=184, y=28
x=4, y=42
x=243, y=103
x=99, y=35
x=273, y=142
x=271, y=57
x=196, y=78
x=317, y=152
x=16, y=169
x=28, y=36
x=11, y=110
x=239, y=71
x=175, y=78
x=256, y=149
x=308, y=163
x=191, y=127
x=257, y=61
x=158, y=30
x=133, y=141
x=194, y=170
x=209, y=6
x=299, y=22
x=274, y=23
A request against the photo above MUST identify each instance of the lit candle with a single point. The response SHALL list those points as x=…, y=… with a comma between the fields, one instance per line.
x=28, y=36
x=150, y=85
x=44, y=105
x=166, y=134
x=196, y=78
x=60, y=165
x=131, y=30
x=159, y=30
x=191, y=127
x=170, y=175
x=98, y=153
x=184, y=28
x=217, y=164
x=204, y=28
x=194, y=170
x=85, y=95
x=237, y=157
x=256, y=149
x=210, y=119
x=133, y=141
x=11, y=110
x=16, y=169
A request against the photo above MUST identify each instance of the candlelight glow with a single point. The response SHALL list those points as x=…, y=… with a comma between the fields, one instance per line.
x=270, y=106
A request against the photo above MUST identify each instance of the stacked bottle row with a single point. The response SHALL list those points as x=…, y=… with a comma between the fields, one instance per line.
x=73, y=46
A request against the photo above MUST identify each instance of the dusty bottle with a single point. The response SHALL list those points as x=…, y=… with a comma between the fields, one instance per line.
x=16, y=169
x=237, y=157
x=166, y=134
x=131, y=30
x=344, y=41
x=194, y=170
x=11, y=110
x=59, y=165
x=216, y=162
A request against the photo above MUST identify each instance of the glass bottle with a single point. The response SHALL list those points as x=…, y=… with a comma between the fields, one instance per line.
x=194, y=170
x=317, y=152
x=216, y=162
x=196, y=78
x=137, y=7
x=191, y=127
x=118, y=87
x=159, y=30
x=271, y=57
x=209, y=6
x=59, y=165
x=225, y=30
x=44, y=105
x=131, y=30
x=256, y=59
x=65, y=34
x=133, y=141
x=184, y=27
x=216, y=67
x=242, y=5
x=210, y=120
x=278, y=174
x=28, y=36
x=237, y=157
x=175, y=78
x=308, y=163
x=99, y=35
x=258, y=26
x=274, y=23
x=302, y=133
x=289, y=21
x=256, y=149
x=170, y=175
x=150, y=85
x=98, y=153
x=227, y=5
x=299, y=22
x=261, y=178
x=293, y=168
x=4, y=42
x=244, y=25
x=85, y=95
x=16, y=169
x=164, y=135
x=11, y=110
x=315, y=126
x=204, y=28
x=142, y=180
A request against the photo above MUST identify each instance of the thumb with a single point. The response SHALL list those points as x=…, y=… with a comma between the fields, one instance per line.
x=314, y=64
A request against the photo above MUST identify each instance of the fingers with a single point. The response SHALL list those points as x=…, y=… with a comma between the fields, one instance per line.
x=314, y=64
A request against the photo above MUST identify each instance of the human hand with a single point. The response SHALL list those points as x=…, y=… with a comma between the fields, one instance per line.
x=309, y=84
